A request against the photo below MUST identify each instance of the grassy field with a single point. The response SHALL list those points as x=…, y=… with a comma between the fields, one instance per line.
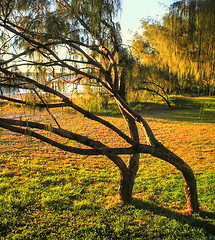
x=46, y=193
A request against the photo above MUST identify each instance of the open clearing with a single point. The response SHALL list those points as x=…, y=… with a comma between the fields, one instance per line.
x=50, y=194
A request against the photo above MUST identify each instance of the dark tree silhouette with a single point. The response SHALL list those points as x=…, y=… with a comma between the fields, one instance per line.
x=79, y=39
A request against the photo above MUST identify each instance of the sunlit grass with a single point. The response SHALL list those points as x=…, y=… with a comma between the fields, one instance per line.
x=49, y=194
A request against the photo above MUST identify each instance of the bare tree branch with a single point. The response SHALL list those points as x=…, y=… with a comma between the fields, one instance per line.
x=68, y=102
x=156, y=92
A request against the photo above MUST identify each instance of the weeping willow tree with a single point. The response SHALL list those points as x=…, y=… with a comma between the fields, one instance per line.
x=182, y=44
x=45, y=42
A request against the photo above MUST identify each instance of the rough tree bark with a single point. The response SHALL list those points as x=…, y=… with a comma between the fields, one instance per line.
x=126, y=181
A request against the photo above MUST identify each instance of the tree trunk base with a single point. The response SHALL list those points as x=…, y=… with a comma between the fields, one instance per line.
x=125, y=189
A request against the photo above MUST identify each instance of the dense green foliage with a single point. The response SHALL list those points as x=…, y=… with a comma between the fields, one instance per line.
x=179, y=49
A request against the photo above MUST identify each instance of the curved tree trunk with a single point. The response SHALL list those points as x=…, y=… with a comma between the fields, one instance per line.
x=191, y=190
x=162, y=152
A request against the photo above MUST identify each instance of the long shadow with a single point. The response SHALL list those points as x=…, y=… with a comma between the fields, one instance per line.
x=193, y=115
x=183, y=115
x=183, y=109
x=187, y=109
x=185, y=219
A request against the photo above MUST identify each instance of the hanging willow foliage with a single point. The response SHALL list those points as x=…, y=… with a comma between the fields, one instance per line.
x=183, y=44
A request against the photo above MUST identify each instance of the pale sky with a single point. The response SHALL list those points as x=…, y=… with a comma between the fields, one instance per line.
x=134, y=10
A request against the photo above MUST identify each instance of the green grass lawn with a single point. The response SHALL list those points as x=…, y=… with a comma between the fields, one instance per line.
x=49, y=194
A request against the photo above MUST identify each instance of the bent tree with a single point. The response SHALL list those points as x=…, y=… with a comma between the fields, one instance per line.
x=46, y=42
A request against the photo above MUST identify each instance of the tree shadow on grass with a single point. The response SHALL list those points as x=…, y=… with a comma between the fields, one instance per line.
x=182, y=115
x=196, y=110
x=193, y=115
x=185, y=109
x=183, y=218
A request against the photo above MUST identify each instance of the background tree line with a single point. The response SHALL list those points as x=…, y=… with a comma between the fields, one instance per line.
x=178, y=51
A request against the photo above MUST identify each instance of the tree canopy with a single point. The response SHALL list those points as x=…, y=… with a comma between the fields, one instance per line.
x=182, y=46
